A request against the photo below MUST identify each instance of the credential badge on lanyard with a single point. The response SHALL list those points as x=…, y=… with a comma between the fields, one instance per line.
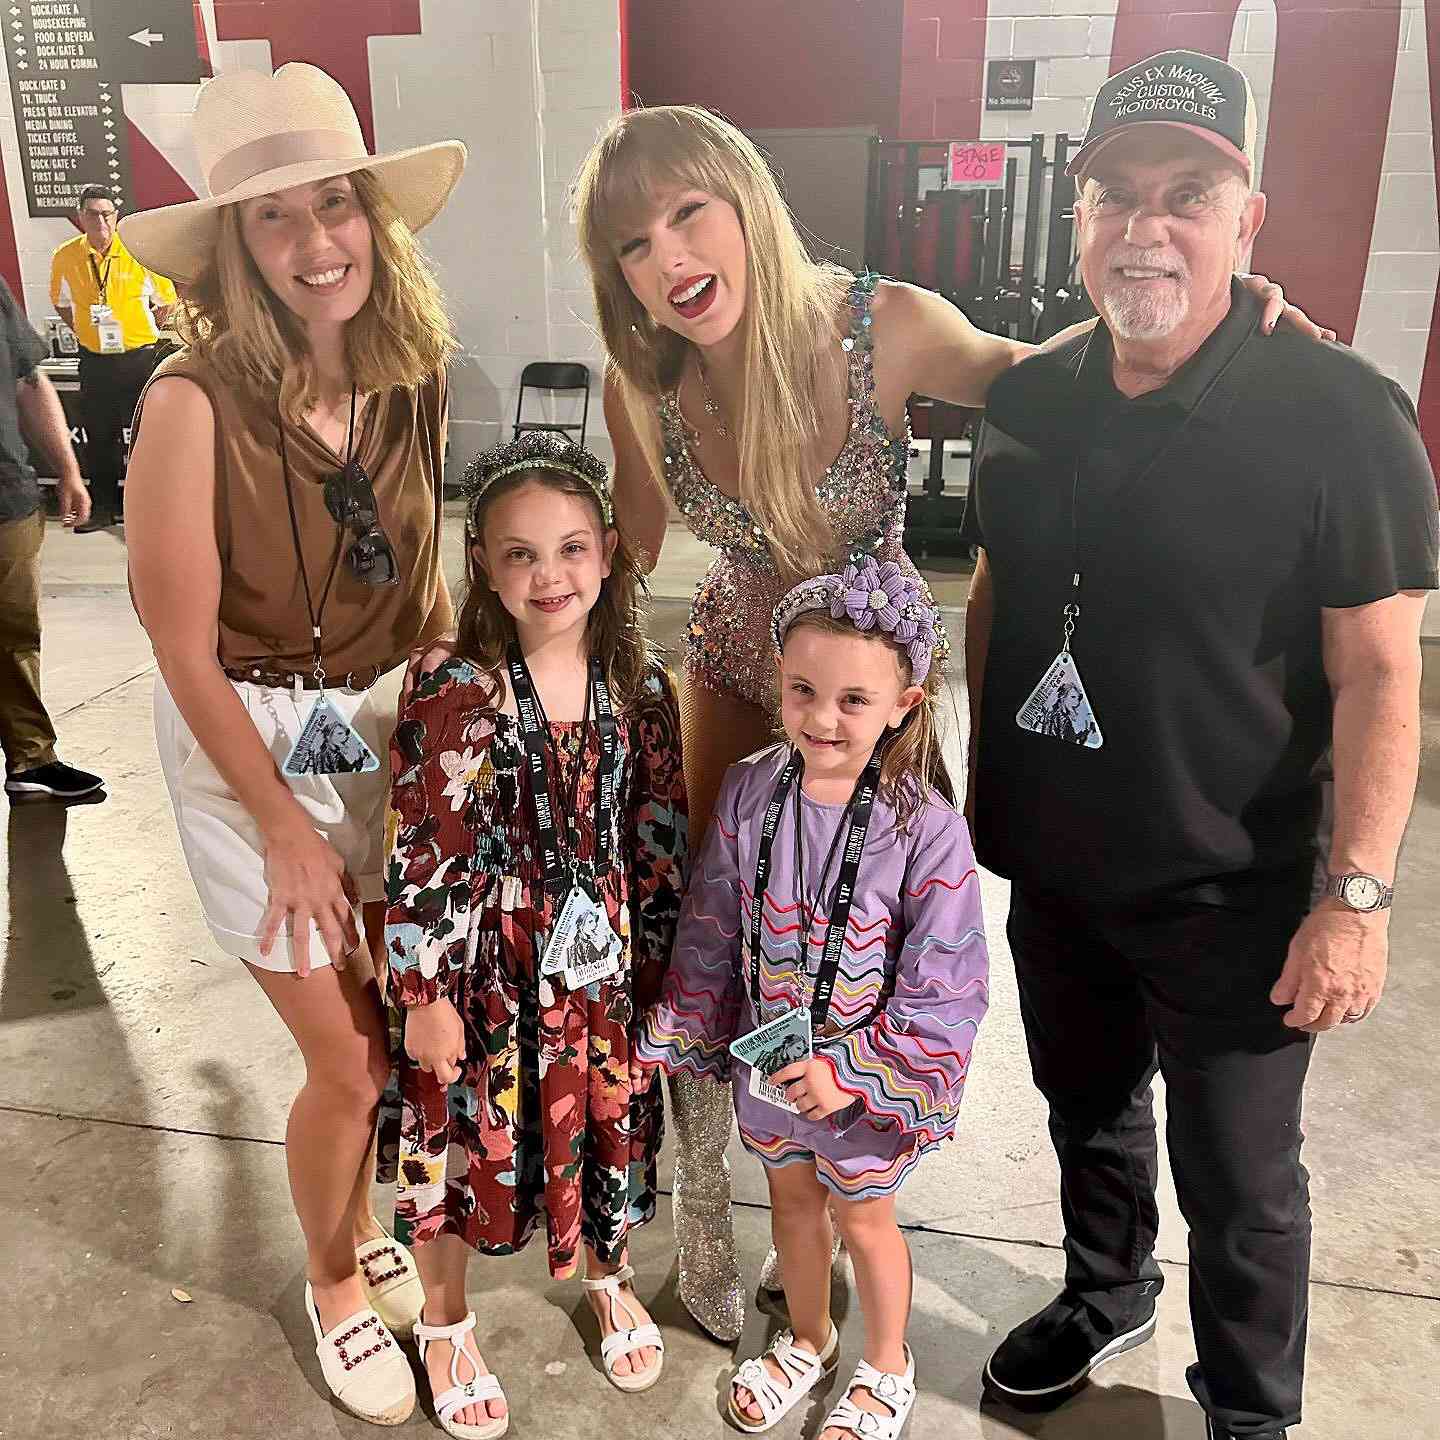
x=789, y=1036
x=582, y=945
x=1059, y=707
x=328, y=744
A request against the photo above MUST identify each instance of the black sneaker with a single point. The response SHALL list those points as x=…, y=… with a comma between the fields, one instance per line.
x=96, y=523
x=64, y=782
x=1044, y=1361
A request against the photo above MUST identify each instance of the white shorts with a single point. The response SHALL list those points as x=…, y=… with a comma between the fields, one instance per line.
x=222, y=843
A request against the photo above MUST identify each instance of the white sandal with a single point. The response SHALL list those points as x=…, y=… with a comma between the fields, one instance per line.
x=802, y=1369
x=482, y=1385
x=627, y=1342
x=363, y=1365
x=895, y=1392
x=392, y=1283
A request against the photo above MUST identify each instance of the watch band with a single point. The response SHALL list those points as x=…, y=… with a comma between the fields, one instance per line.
x=1335, y=886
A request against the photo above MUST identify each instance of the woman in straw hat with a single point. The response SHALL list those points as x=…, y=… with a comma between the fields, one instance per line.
x=283, y=525
x=738, y=368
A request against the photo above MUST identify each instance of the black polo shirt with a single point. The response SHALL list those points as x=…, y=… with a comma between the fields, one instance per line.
x=1214, y=518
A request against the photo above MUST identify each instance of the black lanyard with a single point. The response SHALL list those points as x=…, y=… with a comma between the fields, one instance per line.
x=102, y=282
x=315, y=616
x=809, y=907
x=862, y=800
x=562, y=859
x=1072, y=607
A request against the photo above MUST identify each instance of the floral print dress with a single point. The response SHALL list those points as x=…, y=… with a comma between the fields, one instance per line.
x=543, y=1123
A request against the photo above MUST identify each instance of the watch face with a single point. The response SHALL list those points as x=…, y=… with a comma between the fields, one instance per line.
x=1361, y=892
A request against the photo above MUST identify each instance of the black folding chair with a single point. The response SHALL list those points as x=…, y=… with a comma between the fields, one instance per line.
x=553, y=375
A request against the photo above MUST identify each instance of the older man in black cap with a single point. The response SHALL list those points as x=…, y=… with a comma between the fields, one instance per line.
x=1209, y=547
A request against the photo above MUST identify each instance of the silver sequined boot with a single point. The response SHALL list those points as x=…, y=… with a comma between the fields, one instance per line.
x=771, y=1279
x=704, y=1226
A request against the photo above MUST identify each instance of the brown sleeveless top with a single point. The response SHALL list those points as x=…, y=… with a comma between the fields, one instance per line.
x=400, y=441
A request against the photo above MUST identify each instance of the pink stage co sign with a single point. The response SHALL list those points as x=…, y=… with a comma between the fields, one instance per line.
x=975, y=162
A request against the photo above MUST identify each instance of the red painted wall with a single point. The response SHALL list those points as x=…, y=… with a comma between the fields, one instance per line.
x=943, y=73
x=9, y=254
x=300, y=30
x=770, y=64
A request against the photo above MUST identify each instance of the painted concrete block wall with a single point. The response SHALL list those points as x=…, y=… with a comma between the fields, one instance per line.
x=526, y=84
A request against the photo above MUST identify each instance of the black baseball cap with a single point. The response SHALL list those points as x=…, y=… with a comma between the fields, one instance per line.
x=1180, y=88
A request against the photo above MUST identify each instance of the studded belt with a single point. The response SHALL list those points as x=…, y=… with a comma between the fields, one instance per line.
x=297, y=679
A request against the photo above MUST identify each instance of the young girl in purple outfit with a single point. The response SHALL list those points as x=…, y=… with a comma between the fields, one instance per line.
x=835, y=901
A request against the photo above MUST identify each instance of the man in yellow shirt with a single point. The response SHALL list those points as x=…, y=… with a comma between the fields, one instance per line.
x=115, y=306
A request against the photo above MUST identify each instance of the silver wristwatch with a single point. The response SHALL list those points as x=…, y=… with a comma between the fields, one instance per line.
x=1360, y=891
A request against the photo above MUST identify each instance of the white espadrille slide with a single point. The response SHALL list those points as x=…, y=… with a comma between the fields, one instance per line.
x=629, y=1341
x=481, y=1386
x=363, y=1365
x=776, y=1398
x=392, y=1283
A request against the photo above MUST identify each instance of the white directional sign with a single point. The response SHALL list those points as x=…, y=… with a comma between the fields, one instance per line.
x=68, y=60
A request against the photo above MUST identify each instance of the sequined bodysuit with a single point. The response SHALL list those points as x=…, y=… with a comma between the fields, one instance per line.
x=728, y=645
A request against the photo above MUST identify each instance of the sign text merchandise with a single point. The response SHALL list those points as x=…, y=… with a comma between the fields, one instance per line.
x=67, y=61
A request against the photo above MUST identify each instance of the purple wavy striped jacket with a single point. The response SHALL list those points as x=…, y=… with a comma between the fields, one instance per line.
x=915, y=941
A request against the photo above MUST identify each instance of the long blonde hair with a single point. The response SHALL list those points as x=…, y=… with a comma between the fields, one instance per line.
x=400, y=336
x=914, y=760
x=793, y=304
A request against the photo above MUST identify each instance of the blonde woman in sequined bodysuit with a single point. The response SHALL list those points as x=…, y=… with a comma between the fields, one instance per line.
x=766, y=394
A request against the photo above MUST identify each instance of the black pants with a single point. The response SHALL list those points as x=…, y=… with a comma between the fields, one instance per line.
x=1106, y=996
x=110, y=387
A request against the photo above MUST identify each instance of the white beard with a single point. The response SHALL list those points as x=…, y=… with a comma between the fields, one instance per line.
x=1143, y=311
x=1148, y=315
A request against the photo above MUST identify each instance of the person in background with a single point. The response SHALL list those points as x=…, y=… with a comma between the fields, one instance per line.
x=28, y=401
x=115, y=306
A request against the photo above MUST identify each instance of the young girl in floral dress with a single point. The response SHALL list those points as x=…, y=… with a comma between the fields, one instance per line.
x=534, y=885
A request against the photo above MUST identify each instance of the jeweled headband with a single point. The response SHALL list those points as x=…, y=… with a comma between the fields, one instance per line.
x=536, y=450
x=871, y=595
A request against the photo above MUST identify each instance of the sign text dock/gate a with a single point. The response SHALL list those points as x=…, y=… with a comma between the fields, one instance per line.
x=67, y=62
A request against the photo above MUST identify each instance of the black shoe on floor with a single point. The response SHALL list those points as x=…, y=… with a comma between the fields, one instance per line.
x=64, y=782
x=1044, y=1361
x=1214, y=1430
x=96, y=522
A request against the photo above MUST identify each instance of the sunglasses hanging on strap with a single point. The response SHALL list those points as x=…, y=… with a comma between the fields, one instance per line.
x=350, y=499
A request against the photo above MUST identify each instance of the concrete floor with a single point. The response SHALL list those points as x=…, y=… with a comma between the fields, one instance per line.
x=143, y=1091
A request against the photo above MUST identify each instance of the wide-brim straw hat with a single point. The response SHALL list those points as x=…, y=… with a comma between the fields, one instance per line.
x=256, y=134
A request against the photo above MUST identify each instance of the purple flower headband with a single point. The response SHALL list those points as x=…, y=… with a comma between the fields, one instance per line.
x=871, y=596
